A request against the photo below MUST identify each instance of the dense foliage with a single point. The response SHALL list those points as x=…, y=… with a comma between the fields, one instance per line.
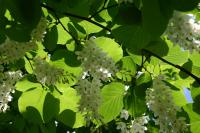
x=99, y=66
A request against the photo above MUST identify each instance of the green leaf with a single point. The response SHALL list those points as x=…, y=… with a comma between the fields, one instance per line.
x=27, y=13
x=31, y=104
x=25, y=84
x=134, y=37
x=176, y=55
x=153, y=21
x=194, y=119
x=50, y=107
x=109, y=46
x=128, y=69
x=50, y=40
x=112, y=104
x=184, y=5
x=63, y=36
x=66, y=60
x=195, y=92
x=28, y=65
x=68, y=113
x=135, y=101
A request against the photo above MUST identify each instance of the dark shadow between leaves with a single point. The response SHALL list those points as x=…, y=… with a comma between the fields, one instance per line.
x=67, y=117
x=187, y=66
x=32, y=115
x=51, y=107
x=69, y=57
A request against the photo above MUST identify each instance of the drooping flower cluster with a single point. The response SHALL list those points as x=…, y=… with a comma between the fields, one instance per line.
x=97, y=67
x=95, y=62
x=90, y=95
x=136, y=126
x=11, y=50
x=184, y=30
x=160, y=100
x=38, y=33
x=7, y=86
x=46, y=73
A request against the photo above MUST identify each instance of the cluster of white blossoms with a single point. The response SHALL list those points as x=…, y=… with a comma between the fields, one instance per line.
x=95, y=62
x=90, y=95
x=160, y=100
x=46, y=73
x=7, y=86
x=138, y=125
x=11, y=50
x=97, y=67
x=39, y=32
x=184, y=30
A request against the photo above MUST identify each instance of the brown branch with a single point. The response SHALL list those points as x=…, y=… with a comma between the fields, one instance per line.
x=77, y=16
x=104, y=8
x=174, y=65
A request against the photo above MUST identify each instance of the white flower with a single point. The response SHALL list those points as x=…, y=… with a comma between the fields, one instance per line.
x=127, y=87
x=184, y=30
x=46, y=73
x=11, y=50
x=7, y=87
x=160, y=100
x=138, y=124
x=124, y=114
x=122, y=126
x=95, y=61
x=38, y=33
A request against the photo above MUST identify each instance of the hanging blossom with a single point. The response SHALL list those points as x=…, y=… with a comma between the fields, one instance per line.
x=97, y=67
x=160, y=100
x=39, y=32
x=7, y=86
x=95, y=62
x=138, y=125
x=11, y=50
x=46, y=73
x=184, y=30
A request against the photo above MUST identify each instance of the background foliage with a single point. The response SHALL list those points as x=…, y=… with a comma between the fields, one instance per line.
x=130, y=33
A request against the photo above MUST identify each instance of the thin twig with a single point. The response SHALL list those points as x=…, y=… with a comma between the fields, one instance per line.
x=75, y=39
x=174, y=65
x=77, y=16
x=104, y=8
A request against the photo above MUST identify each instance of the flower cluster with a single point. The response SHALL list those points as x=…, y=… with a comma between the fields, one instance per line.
x=160, y=100
x=46, y=73
x=96, y=62
x=11, y=50
x=7, y=86
x=97, y=67
x=90, y=95
x=38, y=33
x=136, y=126
x=184, y=30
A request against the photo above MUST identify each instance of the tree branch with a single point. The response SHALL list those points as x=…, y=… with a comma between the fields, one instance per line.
x=75, y=39
x=77, y=16
x=104, y=8
x=174, y=65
